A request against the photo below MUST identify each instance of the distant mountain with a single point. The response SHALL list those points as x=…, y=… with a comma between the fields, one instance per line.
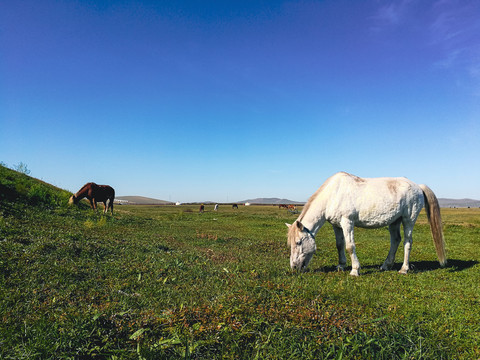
x=458, y=202
x=140, y=200
x=269, y=201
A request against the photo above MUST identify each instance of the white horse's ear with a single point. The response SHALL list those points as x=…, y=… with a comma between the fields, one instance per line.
x=299, y=225
x=288, y=225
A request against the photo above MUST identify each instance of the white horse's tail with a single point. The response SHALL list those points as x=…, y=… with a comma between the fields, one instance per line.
x=432, y=208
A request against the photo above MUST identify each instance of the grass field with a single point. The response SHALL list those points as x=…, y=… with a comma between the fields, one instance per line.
x=167, y=282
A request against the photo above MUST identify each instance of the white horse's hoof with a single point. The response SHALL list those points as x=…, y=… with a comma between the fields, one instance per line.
x=403, y=271
x=354, y=273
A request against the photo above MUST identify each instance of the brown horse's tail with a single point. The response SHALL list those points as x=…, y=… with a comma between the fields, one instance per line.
x=432, y=208
x=112, y=199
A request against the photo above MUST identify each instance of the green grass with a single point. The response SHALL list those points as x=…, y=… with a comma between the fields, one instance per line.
x=166, y=282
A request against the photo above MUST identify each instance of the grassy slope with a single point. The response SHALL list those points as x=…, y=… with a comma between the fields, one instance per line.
x=18, y=190
x=167, y=282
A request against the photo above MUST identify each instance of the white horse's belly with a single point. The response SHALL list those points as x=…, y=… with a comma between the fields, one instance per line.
x=376, y=220
x=367, y=214
x=374, y=215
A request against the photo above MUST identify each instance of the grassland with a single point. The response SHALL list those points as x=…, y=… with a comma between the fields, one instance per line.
x=157, y=282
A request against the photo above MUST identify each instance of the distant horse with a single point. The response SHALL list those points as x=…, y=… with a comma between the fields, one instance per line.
x=234, y=206
x=346, y=201
x=216, y=207
x=292, y=209
x=202, y=208
x=282, y=206
x=94, y=193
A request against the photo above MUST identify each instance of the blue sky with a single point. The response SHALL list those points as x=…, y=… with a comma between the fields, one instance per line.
x=225, y=101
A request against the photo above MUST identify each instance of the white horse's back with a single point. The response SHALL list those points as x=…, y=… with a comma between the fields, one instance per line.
x=370, y=202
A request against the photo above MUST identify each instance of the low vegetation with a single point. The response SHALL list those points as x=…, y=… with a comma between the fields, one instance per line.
x=159, y=282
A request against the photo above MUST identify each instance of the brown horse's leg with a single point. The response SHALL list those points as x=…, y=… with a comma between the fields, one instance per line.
x=111, y=204
x=93, y=204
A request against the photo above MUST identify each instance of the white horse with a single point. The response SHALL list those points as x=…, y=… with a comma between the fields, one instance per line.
x=346, y=201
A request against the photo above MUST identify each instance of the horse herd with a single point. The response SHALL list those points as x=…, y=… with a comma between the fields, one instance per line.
x=105, y=193
x=345, y=201
x=215, y=208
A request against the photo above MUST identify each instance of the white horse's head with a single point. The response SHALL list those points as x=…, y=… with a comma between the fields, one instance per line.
x=302, y=244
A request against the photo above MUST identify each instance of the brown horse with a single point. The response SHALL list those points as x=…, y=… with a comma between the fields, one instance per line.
x=94, y=193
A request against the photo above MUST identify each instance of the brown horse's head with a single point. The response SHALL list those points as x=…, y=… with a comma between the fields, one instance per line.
x=73, y=200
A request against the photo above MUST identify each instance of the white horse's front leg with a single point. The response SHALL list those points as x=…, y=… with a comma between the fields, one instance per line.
x=347, y=227
x=340, y=240
x=407, y=233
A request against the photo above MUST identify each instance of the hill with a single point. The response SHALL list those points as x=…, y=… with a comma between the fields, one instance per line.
x=270, y=201
x=141, y=200
x=458, y=202
x=18, y=189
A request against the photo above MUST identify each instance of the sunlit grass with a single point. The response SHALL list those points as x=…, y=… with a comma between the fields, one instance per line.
x=167, y=282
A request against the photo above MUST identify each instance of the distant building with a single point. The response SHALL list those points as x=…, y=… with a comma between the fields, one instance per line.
x=120, y=202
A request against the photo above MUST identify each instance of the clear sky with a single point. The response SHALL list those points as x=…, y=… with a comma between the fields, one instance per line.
x=230, y=100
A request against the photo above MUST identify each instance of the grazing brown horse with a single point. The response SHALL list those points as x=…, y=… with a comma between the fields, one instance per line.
x=94, y=193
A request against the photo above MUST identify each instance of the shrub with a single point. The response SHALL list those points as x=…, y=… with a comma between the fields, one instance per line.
x=40, y=195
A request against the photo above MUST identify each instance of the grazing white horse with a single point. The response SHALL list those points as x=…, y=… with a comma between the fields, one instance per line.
x=346, y=201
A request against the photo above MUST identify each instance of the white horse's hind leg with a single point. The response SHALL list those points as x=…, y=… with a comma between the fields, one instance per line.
x=407, y=233
x=347, y=227
x=395, y=239
x=340, y=239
